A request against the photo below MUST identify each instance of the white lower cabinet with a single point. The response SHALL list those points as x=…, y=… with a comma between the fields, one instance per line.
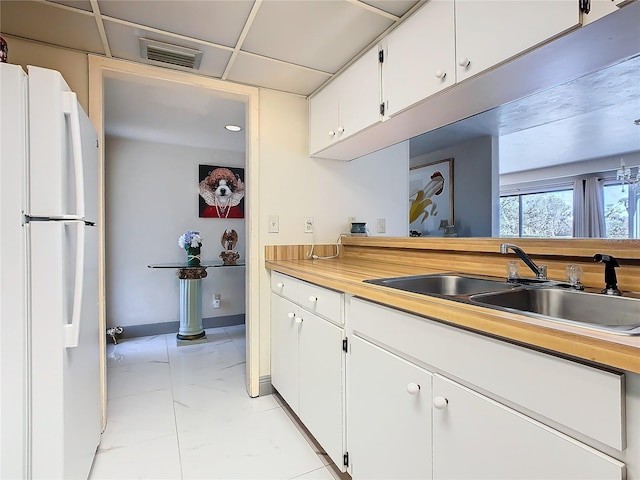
x=321, y=382
x=447, y=430
x=475, y=437
x=418, y=399
x=389, y=415
x=284, y=350
x=308, y=362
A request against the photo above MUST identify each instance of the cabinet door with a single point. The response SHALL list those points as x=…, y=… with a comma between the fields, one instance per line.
x=322, y=382
x=476, y=437
x=599, y=9
x=419, y=57
x=323, y=118
x=359, y=87
x=389, y=418
x=284, y=349
x=489, y=32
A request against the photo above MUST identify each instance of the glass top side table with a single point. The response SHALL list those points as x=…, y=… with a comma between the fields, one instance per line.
x=190, y=276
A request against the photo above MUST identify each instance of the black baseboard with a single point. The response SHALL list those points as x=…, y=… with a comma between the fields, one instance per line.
x=133, y=331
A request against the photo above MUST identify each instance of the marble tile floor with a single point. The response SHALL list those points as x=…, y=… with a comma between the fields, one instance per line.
x=183, y=413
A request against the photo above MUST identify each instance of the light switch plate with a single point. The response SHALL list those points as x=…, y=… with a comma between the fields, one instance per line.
x=274, y=224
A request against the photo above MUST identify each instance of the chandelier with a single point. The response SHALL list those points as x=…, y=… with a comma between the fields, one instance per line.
x=625, y=176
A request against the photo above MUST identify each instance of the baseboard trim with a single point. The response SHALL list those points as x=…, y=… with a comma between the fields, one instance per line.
x=265, y=387
x=145, y=330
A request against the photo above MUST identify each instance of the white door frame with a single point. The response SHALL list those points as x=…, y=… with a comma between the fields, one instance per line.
x=101, y=68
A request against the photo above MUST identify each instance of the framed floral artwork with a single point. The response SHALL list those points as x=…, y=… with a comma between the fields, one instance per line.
x=431, y=197
x=221, y=192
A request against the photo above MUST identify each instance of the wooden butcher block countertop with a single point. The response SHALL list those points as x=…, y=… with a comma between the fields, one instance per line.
x=347, y=275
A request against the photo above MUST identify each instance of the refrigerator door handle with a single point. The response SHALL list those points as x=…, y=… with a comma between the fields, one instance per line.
x=70, y=105
x=72, y=330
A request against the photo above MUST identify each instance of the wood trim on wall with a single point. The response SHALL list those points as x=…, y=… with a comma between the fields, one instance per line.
x=297, y=252
x=574, y=247
x=481, y=256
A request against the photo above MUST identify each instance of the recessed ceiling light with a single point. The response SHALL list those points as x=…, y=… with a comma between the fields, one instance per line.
x=233, y=128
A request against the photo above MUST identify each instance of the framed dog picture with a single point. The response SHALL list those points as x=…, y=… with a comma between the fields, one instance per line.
x=221, y=192
x=431, y=197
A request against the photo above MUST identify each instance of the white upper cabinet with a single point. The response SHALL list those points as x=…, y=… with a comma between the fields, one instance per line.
x=488, y=32
x=443, y=43
x=419, y=57
x=347, y=105
x=323, y=118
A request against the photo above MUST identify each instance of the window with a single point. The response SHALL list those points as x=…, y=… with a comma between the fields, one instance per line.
x=620, y=210
x=538, y=214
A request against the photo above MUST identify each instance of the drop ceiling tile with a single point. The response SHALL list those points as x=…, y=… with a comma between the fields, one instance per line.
x=81, y=4
x=214, y=21
x=43, y=22
x=254, y=70
x=395, y=7
x=124, y=43
x=315, y=33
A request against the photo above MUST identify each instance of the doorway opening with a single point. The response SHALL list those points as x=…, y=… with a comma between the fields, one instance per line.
x=158, y=127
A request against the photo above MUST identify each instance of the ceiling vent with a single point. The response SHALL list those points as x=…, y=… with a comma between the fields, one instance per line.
x=171, y=54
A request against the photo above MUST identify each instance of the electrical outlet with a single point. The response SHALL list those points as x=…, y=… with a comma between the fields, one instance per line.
x=216, y=300
x=308, y=225
x=274, y=224
x=382, y=225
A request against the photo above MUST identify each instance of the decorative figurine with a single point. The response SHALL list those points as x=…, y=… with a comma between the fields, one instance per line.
x=228, y=241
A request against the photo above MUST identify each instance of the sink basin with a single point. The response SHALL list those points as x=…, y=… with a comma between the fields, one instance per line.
x=601, y=312
x=443, y=284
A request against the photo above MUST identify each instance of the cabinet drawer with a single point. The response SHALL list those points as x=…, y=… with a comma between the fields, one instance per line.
x=321, y=301
x=582, y=398
x=285, y=286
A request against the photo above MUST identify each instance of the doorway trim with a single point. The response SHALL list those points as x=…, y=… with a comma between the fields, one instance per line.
x=101, y=68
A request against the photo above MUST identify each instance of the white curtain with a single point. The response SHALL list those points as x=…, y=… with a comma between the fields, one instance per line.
x=578, y=208
x=594, y=208
x=588, y=208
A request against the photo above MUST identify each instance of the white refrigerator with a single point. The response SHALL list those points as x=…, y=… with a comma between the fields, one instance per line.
x=49, y=331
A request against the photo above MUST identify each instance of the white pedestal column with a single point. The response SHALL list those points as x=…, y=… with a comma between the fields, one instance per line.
x=191, y=305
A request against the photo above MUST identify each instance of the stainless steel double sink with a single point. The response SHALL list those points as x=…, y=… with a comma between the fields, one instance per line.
x=549, y=300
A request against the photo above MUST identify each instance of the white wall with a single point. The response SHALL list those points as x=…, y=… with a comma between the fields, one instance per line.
x=73, y=65
x=294, y=186
x=475, y=185
x=151, y=199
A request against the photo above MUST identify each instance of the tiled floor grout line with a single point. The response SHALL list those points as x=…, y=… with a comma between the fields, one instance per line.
x=173, y=405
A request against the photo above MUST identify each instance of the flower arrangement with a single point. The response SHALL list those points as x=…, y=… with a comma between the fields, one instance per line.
x=191, y=241
x=190, y=238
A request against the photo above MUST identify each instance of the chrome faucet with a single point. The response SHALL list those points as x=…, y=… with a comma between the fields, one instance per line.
x=540, y=271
